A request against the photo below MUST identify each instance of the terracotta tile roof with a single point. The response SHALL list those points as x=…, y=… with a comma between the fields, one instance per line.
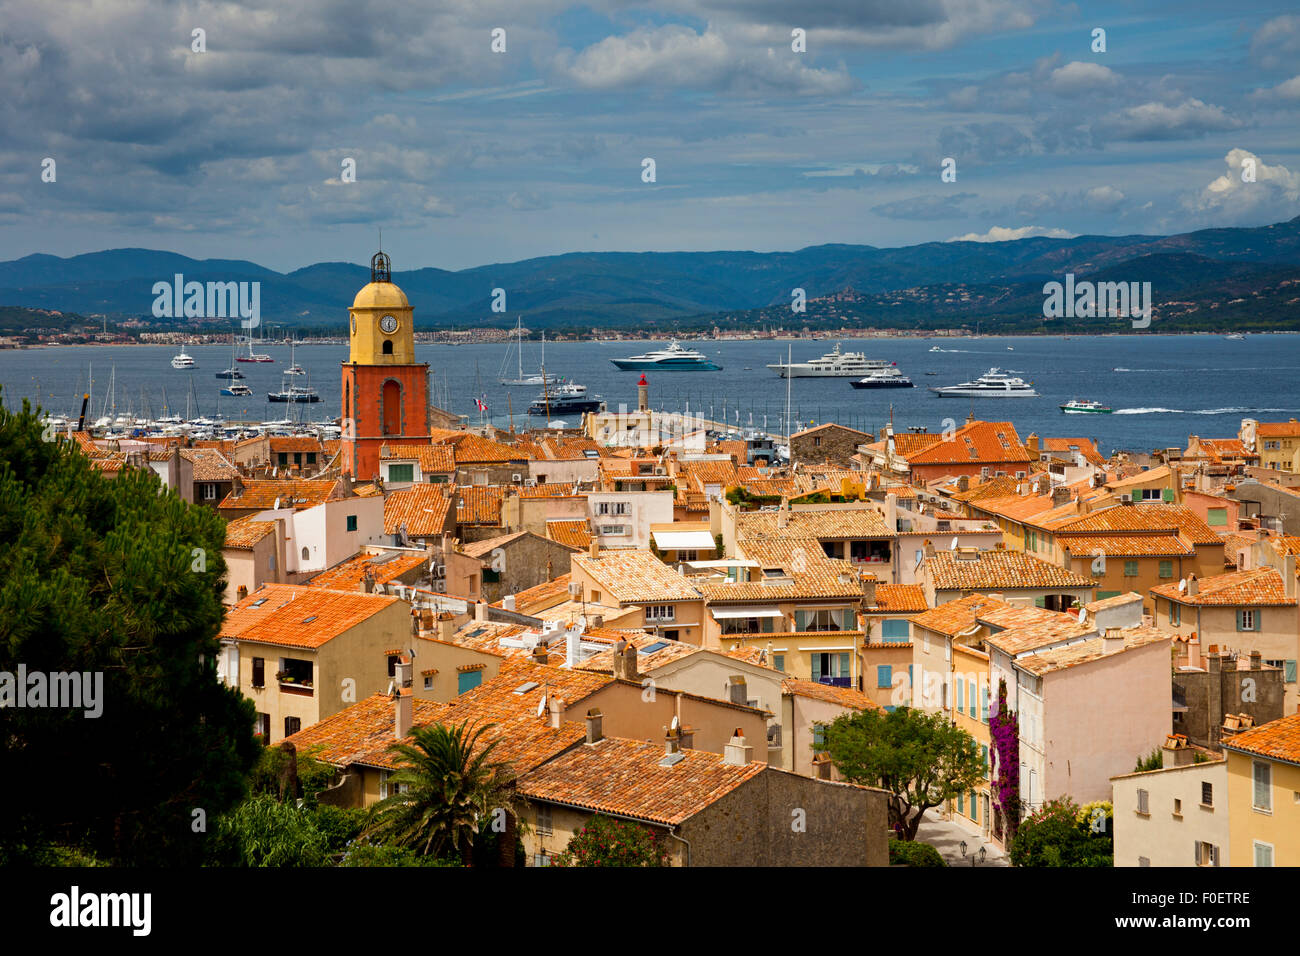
x=244, y=533
x=294, y=443
x=1085, y=652
x=1084, y=446
x=998, y=571
x=1289, y=429
x=209, y=464
x=1278, y=739
x=976, y=443
x=953, y=617
x=385, y=567
x=809, y=572
x=635, y=577
x=616, y=775
x=363, y=728
x=1001, y=486
x=864, y=522
x=1217, y=449
x=294, y=616
x=422, y=509
x=1125, y=545
x=899, y=599
x=1145, y=516
x=907, y=444
x=751, y=655
x=1119, y=600
x=701, y=474
x=433, y=459
x=477, y=504
x=666, y=651
x=1025, y=632
x=486, y=636
x=549, y=489
x=575, y=533
x=1262, y=586
x=474, y=449
x=262, y=494
x=844, y=696
x=547, y=594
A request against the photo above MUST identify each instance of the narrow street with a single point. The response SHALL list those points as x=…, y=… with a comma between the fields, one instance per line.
x=947, y=838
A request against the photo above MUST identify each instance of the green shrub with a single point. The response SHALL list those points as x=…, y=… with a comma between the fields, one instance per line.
x=911, y=853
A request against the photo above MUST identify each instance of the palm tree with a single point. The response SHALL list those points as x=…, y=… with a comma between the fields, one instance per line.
x=446, y=783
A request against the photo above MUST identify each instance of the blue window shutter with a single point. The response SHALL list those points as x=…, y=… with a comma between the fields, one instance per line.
x=984, y=704
x=1290, y=672
x=984, y=758
x=1241, y=620
x=816, y=667
x=884, y=675
x=468, y=680
x=970, y=699
x=961, y=687
x=890, y=708
x=974, y=808
x=895, y=631
x=849, y=618
x=961, y=803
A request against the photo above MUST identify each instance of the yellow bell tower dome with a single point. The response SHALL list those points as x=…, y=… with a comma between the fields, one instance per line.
x=381, y=320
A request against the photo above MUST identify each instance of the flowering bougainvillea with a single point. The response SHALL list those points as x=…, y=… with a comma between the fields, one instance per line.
x=1004, y=730
x=605, y=841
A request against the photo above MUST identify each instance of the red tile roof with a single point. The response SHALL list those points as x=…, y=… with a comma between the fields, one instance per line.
x=422, y=509
x=293, y=616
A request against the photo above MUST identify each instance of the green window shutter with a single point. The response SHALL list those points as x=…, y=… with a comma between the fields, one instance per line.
x=1167, y=494
x=970, y=699
x=1102, y=595
x=885, y=675
x=961, y=704
x=1241, y=620
x=961, y=803
x=779, y=661
x=895, y=631
x=1130, y=569
x=974, y=808
x=1166, y=569
x=468, y=680
x=1290, y=672
x=819, y=737
x=984, y=758
x=850, y=620
x=816, y=667
x=800, y=620
x=1216, y=517
x=1040, y=602
x=352, y=522
x=401, y=472
x=984, y=704
x=844, y=664
x=768, y=624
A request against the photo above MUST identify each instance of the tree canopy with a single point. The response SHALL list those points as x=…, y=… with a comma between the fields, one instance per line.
x=921, y=759
x=119, y=579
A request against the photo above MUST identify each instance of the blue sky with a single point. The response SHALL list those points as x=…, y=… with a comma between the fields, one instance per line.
x=465, y=156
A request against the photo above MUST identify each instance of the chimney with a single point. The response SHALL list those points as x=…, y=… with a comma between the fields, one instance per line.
x=643, y=395
x=1113, y=641
x=1192, y=585
x=242, y=592
x=540, y=654
x=737, y=691
x=572, y=645
x=404, y=703
x=1060, y=496
x=556, y=707
x=1032, y=444
x=737, y=753
x=508, y=602
x=868, y=589
x=929, y=548
x=672, y=741
x=1256, y=660
x=1194, y=651
x=594, y=725
x=1176, y=751
x=1288, y=576
x=625, y=660
x=593, y=549
x=782, y=515
x=963, y=483
x=446, y=626
x=480, y=611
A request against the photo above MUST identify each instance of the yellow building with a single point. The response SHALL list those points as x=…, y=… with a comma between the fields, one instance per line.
x=1278, y=444
x=1264, y=794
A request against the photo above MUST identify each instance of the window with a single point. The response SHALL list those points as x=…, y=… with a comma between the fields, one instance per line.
x=970, y=698
x=1130, y=569
x=984, y=759
x=895, y=631
x=974, y=808
x=311, y=458
x=306, y=555
x=270, y=561
x=1178, y=807
x=1248, y=620
x=660, y=612
x=884, y=675
x=1263, y=854
x=1207, y=793
x=746, y=625
x=1289, y=676
x=961, y=803
x=1207, y=854
x=1143, y=798
x=1175, y=614
x=295, y=671
x=259, y=672
x=264, y=726
x=401, y=473
x=831, y=669
x=825, y=619
x=428, y=682
x=468, y=680
x=544, y=822
x=284, y=459
x=209, y=492
x=292, y=725
x=1166, y=569
x=388, y=348
x=1263, y=789
x=778, y=661
x=352, y=522
x=819, y=738
x=961, y=702
x=984, y=705
x=392, y=665
x=541, y=859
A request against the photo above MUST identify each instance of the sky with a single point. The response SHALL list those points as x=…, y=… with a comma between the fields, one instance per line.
x=466, y=155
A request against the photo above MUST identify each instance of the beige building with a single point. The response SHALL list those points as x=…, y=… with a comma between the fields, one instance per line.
x=667, y=604
x=1263, y=780
x=1176, y=816
x=302, y=654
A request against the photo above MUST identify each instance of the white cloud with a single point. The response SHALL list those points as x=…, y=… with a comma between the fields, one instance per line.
x=1275, y=193
x=1158, y=121
x=1287, y=90
x=1007, y=233
x=1080, y=77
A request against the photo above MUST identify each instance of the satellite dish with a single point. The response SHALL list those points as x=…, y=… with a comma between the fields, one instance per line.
x=276, y=506
x=411, y=651
x=1083, y=614
x=1182, y=586
x=392, y=686
x=541, y=706
x=676, y=723
x=953, y=546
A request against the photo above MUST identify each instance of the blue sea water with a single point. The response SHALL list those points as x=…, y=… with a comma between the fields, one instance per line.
x=1162, y=387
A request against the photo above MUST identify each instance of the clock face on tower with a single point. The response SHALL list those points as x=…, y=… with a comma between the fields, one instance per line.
x=389, y=324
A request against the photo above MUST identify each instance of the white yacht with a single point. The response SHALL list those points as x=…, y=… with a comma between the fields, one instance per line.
x=834, y=364
x=184, y=361
x=887, y=377
x=993, y=384
x=672, y=359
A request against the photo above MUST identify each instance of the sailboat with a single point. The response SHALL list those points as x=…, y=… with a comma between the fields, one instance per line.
x=254, y=356
x=541, y=378
x=232, y=372
x=294, y=368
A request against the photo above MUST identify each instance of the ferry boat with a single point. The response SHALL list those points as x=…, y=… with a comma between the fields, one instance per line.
x=887, y=377
x=672, y=359
x=184, y=361
x=992, y=384
x=1078, y=407
x=567, y=398
x=834, y=364
x=237, y=388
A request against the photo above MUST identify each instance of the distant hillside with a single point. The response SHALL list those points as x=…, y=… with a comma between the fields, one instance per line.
x=924, y=286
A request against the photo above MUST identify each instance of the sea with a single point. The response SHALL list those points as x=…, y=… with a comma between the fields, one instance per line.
x=1162, y=387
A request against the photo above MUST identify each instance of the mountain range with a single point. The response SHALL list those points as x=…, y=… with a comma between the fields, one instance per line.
x=1234, y=276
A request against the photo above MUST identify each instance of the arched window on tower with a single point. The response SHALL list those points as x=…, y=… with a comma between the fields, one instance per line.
x=388, y=347
x=306, y=555
x=392, y=405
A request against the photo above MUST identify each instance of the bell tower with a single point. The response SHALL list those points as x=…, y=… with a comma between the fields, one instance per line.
x=385, y=391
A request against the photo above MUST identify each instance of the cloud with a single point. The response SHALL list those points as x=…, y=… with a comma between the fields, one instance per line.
x=1080, y=78
x=1008, y=233
x=1276, y=44
x=983, y=142
x=1275, y=193
x=924, y=207
x=676, y=56
x=1156, y=121
x=1288, y=90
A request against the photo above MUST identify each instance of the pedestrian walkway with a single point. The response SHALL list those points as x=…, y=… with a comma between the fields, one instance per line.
x=947, y=837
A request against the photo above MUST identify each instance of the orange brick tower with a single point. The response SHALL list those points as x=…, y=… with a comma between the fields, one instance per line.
x=385, y=391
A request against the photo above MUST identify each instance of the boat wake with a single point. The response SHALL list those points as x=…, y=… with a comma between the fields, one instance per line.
x=1231, y=410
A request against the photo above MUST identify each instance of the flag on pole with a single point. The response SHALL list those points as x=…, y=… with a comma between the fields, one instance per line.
x=481, y=402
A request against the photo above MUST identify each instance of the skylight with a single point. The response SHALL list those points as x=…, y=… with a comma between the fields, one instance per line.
x=651, y=648
x=526, y=687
